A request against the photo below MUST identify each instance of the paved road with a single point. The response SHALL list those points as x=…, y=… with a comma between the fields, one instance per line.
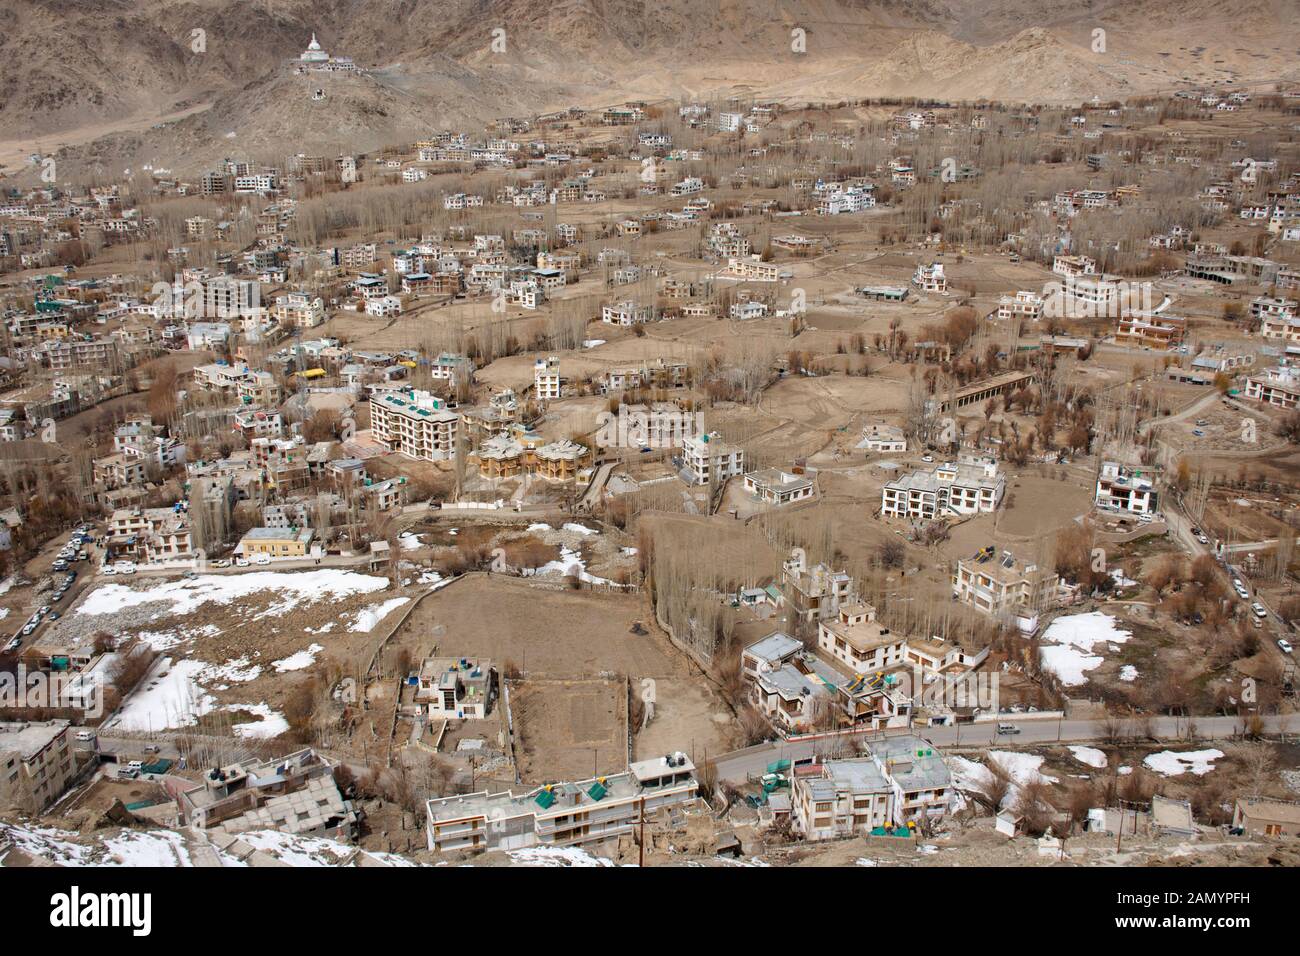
x=754, y=760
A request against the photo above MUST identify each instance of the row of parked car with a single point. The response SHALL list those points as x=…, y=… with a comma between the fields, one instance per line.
x=74, y=550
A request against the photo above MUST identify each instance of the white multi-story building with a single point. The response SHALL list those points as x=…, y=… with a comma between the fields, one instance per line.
x=708, y=457
x=1279, y=387
x=626, y=313
x=930, y=278
x=902, y=779
x=300, y=310
x=1073, y=266
x=561, y=814
x=968, y=486
x=414, y=423
x=837, y=200
x=547, y=383
x=1025, y=304
x=1001, y=585
x=1120, y=488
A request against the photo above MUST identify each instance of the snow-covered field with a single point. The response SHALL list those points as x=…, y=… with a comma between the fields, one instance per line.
x=1070, y=645
x=292, y=588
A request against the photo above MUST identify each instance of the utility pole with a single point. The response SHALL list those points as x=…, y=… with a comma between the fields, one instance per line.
x=641, y=836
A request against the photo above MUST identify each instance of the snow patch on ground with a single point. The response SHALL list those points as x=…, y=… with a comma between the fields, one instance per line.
x=1169, y=763
x=173, y=699
x=557, y=856
x=1021, y=768
x=297, y=661
x=369, y=617
x=569, y=562
x=1069, y=643
x=1089, y=756
x=151, y=848
x=1128, y=673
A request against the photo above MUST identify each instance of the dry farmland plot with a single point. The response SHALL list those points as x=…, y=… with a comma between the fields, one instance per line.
x=568, y=729
x=545, y=632
x=557, y=636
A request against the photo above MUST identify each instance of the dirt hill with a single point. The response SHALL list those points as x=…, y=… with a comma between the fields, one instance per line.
x=77, y=72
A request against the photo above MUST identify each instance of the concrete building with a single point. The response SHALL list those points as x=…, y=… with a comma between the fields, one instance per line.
x=970, y=485
x=561, y=814
x=547, y=384
x=35, y=764
x=414, y=423
x=814, y=593
x=456, y=688
x=902, y=779
x=1279, y=387
x=295, y=794
x=708, y=458
x=1120, y=488
x=883, y=438
x=276, y=542
x=1002, y=585
x=776, y=487
x=1269, y=818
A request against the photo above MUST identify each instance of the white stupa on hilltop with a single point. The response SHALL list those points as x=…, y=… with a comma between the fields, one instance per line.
x=313, y=53
x=314, y=58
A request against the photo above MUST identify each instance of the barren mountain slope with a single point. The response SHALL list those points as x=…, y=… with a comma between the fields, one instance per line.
x=431, y=63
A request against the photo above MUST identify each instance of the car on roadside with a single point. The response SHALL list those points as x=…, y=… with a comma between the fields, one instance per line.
x=1285, y=645
x=241, y=562
x=223, y=563
x=107, y=569
x=263, y=559
x=14, y=644
x=1007, y=729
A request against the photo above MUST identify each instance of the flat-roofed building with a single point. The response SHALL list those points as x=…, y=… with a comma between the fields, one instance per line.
x=708, y=458
x=1279, y=387
x=900, y=780
x=35, y=764
x=1120, y=488
x=1001, y=585
x=970, y=485
x=414, y=423
x=277, y=542
x=456, y=688
x=561, y=814
x=776, y=487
